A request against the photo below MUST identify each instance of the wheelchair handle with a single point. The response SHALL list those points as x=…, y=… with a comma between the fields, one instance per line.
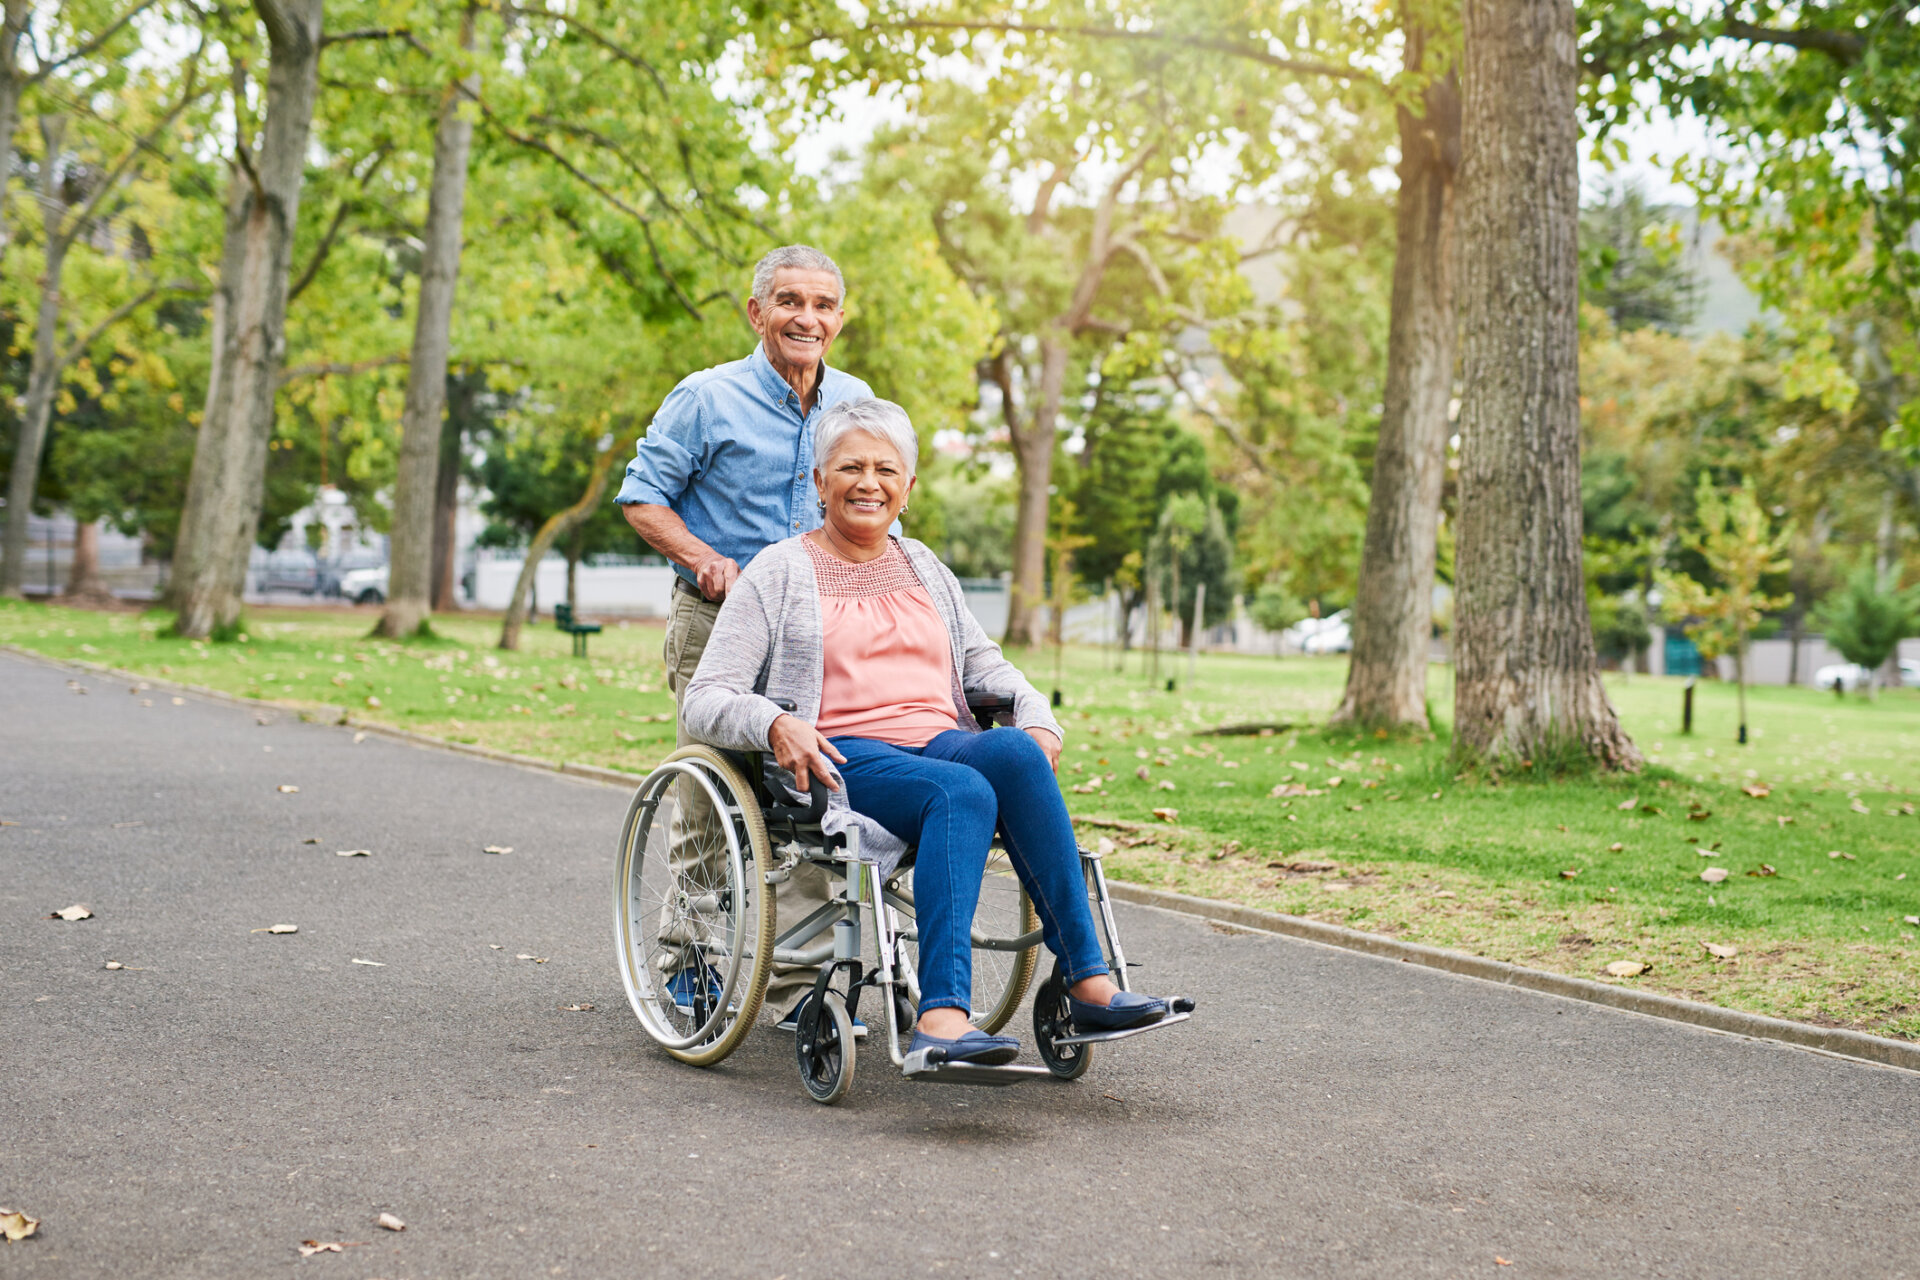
x=808, y=814
x=988, y=707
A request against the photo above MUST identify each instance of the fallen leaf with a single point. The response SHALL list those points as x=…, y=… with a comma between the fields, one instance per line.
x=377, y=964
x=78, y=911
x=1782, y=818
x=1615, y=847
x=1699, y=815
x=1434, y=796
x=390, y=1222
x=353, y=853
x=1913, y=919
x=1446, y=893
x=360, y=737
x=576, y=1008
x=311, y=840
x=179, y=702
x=1142, y=773
x=498, y=848
x=1723, y=950
x=1857, y=807
x=1627, y=968
x=1835, y=853
x=287, y=789
x=1714, y=875
x=310, y=1247
x=1759, y=790
x=1166, y=784
x=1167, y=815
x=114, y=964
x=1287, y=789
x=1763, y=869
x=536, y=959
x=372, y=701
x=1499, y=1261
x=1569, y=873
x=1104, y=847
x=16, y=1225
x=496, y=946
x=277, y=928
x=1628, y=803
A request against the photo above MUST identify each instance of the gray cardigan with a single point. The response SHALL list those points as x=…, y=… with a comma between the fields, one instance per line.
x=766, y=644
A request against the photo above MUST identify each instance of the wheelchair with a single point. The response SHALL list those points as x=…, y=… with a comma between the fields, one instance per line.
x=707, y=837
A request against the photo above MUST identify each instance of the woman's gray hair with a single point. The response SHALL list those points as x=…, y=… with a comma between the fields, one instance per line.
x=881, y=418
x=801, y=257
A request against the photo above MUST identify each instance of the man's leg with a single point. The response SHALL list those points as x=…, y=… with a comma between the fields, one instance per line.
x=689, y=626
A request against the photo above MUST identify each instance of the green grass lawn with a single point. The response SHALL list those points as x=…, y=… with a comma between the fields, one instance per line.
x=1823, y=869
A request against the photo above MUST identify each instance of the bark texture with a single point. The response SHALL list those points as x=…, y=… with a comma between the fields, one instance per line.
x=1527, y=684
x=31, y=441
x=225, y=486
x=446, y=513
x=556, y=527
x=416, y=485
x=85, y=586
x=1393, y=607
x=13, y=80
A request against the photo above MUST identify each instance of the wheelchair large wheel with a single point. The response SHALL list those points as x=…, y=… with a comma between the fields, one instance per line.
x=1001, y=972
x=693, y=916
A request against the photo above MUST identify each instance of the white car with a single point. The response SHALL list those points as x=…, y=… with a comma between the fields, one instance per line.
x=1331, y=634
x=365, y=586
x=1853, y=677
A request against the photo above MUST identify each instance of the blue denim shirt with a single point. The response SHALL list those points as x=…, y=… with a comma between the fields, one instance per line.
x=731, y=454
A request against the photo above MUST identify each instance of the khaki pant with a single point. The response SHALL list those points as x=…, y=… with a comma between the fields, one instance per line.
x=689, y=625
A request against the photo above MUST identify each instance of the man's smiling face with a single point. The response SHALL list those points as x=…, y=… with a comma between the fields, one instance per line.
x=800, y=318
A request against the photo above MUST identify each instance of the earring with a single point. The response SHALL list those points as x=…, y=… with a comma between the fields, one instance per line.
x=904, y=508
x=823, y=504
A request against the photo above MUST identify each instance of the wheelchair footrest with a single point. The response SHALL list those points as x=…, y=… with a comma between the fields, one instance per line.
x=1104, y=1037
x=941, y=1071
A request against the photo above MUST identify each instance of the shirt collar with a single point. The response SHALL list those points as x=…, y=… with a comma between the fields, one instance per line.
x=775, y=385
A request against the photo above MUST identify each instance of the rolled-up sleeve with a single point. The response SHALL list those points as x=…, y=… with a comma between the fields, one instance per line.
x=670, y=455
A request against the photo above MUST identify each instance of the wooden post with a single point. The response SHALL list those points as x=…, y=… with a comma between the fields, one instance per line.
x=1193, y=632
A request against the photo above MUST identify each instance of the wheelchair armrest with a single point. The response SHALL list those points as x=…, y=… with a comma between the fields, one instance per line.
x=989, y=708
x=806, y=815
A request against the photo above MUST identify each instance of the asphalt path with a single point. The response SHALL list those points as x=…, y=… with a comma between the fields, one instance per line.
x=230, y=1093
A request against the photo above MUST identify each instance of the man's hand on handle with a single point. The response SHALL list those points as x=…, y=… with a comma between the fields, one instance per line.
x=717, y=575
x=802, y=750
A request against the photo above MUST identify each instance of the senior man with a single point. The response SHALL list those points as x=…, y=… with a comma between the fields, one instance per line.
x=726, y=470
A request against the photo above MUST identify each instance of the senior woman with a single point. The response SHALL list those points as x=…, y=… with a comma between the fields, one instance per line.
x=869, y=636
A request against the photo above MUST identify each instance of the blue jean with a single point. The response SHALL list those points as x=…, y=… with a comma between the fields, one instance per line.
x=946, y=798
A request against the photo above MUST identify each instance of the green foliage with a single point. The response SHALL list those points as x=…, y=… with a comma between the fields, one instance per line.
x=1866, y=623
x=1274, y=608
x=1631, y=265
x=1740, y=549
x=1191, y=546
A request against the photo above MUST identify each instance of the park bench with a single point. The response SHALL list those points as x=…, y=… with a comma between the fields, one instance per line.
x=563, y=619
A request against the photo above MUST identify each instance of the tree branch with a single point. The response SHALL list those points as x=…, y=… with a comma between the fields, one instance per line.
x=331, y=38
x=188, y=92
x=613, y=47
x=119, y=313
x=346, y=368
x=1212, y=44
x=105, y=34
x=347, y=206
x=284, y=34
x=1844, y=47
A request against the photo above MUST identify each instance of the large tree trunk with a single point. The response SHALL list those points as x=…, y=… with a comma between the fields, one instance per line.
x=1393, y=607
x=556, y=527
x=225, y=487
x=1528, y=685
x=12, y=27
x=417, y=482
x=1033, y=450
x=446, y=504
x=31, y=441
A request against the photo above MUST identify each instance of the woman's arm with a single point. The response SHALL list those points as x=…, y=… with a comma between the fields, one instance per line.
x=721, y=706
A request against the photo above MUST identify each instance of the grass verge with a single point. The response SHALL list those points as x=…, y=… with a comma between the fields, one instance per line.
x=1814, y=822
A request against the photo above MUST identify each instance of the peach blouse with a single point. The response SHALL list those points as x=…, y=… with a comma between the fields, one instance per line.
x=887, y=664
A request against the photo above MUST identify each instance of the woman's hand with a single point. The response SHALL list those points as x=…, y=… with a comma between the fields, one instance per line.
x=801, y=749
x=1049, y=744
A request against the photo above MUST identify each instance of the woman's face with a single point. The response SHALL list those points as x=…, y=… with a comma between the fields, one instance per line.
x=864, y=484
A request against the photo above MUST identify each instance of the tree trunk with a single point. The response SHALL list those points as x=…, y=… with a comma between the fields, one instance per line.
x=446, y=509
x=85, y=586
x=573, y=574
x=1393, y=607
x=1033, y=451
x=416, y=484
x=225, y=487
x=556, y=527
x=12, y=27
x=31, y=441
x=1528, y=685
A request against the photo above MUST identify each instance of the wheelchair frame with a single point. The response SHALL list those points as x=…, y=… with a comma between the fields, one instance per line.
x=861, y=898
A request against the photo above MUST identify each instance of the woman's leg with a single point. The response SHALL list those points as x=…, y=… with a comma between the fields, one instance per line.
x=947, y=810
x=1039, y=839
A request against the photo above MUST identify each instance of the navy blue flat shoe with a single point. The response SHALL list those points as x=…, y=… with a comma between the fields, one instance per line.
x=1129, y=1009
x=975, y=1046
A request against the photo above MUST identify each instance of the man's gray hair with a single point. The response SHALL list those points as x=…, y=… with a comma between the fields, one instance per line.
x=881, y=418
x=802, y=257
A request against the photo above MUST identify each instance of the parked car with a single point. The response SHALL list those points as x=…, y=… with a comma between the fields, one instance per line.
x=334, y=570
x=1853, y=677
x=365, y=586
x=1331, y=634
x=296, y=570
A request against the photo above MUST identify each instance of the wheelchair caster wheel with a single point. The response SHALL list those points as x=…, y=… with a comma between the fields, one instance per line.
x=823, y=1042
x=1053, y=1019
